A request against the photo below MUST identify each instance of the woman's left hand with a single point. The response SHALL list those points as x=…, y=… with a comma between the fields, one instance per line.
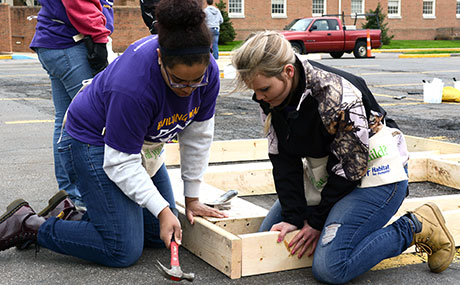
x=193, y=207
x=307, y=238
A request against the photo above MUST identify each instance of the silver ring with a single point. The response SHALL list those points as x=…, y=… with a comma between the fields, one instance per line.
x=304, y=239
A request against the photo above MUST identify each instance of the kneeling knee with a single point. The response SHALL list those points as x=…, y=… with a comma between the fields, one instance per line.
x=126, y=256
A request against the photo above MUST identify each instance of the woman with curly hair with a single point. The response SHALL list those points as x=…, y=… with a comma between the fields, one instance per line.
x=112, y=146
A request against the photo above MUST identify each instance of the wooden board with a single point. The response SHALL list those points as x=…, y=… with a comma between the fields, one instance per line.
x=233, y=246
x=225, y=151
x=261, y=253
x=444, y=172
x=247, y=178
x=213, y=244
x=422, y=144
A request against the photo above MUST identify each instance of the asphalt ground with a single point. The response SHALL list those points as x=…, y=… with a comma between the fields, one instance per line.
x=26, y=168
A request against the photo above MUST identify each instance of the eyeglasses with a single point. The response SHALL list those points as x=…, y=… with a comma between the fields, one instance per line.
x=203, y=81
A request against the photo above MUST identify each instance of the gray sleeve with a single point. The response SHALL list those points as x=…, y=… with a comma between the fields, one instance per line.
x=195, y=141
x=127, y=172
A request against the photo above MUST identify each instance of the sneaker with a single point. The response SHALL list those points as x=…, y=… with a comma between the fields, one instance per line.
x=433, y=238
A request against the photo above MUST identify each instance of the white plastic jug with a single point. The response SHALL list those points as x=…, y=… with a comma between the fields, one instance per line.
x=432, y=91
x=457, y=85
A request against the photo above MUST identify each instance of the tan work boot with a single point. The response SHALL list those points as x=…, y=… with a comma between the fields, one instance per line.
x=434, y=238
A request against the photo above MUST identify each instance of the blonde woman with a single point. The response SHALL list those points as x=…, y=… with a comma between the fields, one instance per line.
x=339, y=166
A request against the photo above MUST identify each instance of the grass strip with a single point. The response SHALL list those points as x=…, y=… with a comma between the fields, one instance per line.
x=405, y=44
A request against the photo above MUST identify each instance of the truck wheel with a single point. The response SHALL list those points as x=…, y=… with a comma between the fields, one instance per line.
x=337, y=54
x=360, y=50
x=297, y=47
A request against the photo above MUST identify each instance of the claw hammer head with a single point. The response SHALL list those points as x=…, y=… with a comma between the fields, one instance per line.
x=175, y=273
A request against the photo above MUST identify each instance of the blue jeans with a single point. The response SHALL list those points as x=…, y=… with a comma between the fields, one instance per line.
x=67, y=68
x=117, y=228
x=215, y=41
x=353, y=239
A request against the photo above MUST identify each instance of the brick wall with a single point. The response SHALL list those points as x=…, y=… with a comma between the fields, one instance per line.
x=5, y=29
x=130, y=27
x=22, y=29
x=411, y=25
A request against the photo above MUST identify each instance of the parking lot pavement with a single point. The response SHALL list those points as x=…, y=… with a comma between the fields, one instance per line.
x=26, y=170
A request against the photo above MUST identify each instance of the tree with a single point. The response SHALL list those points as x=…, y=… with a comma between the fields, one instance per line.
x=226, y=33
x=373, y=24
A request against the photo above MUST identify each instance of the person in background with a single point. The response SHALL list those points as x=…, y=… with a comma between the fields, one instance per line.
x=70, y=41
x=213, y=20
x=117, y=125
x=339, y=165
x=148, y=14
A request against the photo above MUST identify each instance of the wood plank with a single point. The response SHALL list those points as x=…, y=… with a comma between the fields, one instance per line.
x=240, y=226
x=444, y=172
x=422, y=144
x=444, y=202
x=261, y=253
x=240, y=208
x=417, y=167
x=225, y=151
x=247, y=178
x=216, y=246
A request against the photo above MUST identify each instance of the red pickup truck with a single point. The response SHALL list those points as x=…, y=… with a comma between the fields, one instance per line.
x=327, y=34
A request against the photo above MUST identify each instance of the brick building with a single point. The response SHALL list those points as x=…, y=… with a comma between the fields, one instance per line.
x=407, y=19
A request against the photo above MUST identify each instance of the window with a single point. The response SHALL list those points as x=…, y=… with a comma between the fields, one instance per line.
x=394, y=6
x=429, y=8
x=320, y=25
x=357, y=7
x=236, y=8
x=319, y=7
x=458, y=9
x=279, y=8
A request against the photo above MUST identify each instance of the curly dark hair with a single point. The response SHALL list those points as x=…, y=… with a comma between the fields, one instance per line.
x=181, y=25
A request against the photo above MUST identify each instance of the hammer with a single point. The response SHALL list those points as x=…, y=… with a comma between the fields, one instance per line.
x=175, y=273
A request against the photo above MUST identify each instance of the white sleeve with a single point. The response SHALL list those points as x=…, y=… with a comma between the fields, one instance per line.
x=195, y=141
x=127, y=172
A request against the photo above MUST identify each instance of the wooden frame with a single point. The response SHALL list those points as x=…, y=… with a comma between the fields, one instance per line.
x=233, y=245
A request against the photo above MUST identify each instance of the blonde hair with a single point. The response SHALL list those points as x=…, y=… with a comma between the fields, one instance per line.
x=265, y=53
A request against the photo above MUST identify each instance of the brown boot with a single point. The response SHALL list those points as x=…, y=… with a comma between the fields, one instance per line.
x=59, y=206
x=62, y=207
x=434, y=238
x=19, y=224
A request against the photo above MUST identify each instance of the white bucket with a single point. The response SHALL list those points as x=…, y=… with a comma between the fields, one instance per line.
x=432, y=91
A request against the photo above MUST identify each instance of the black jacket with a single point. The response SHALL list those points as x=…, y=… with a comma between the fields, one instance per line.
x=313, y=131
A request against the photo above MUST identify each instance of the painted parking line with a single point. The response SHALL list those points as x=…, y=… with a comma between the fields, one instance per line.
x=410, y=72
x=424, y=55
x=21, y=99
x=407, y=259
x=396, y=84
x=356, y=65
x=392, y=96
x=28, y=122
x=23, y=75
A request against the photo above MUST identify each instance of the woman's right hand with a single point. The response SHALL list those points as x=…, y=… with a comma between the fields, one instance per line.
x=169, y=225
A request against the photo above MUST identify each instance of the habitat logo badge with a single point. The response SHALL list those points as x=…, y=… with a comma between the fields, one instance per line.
x=379, y=170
